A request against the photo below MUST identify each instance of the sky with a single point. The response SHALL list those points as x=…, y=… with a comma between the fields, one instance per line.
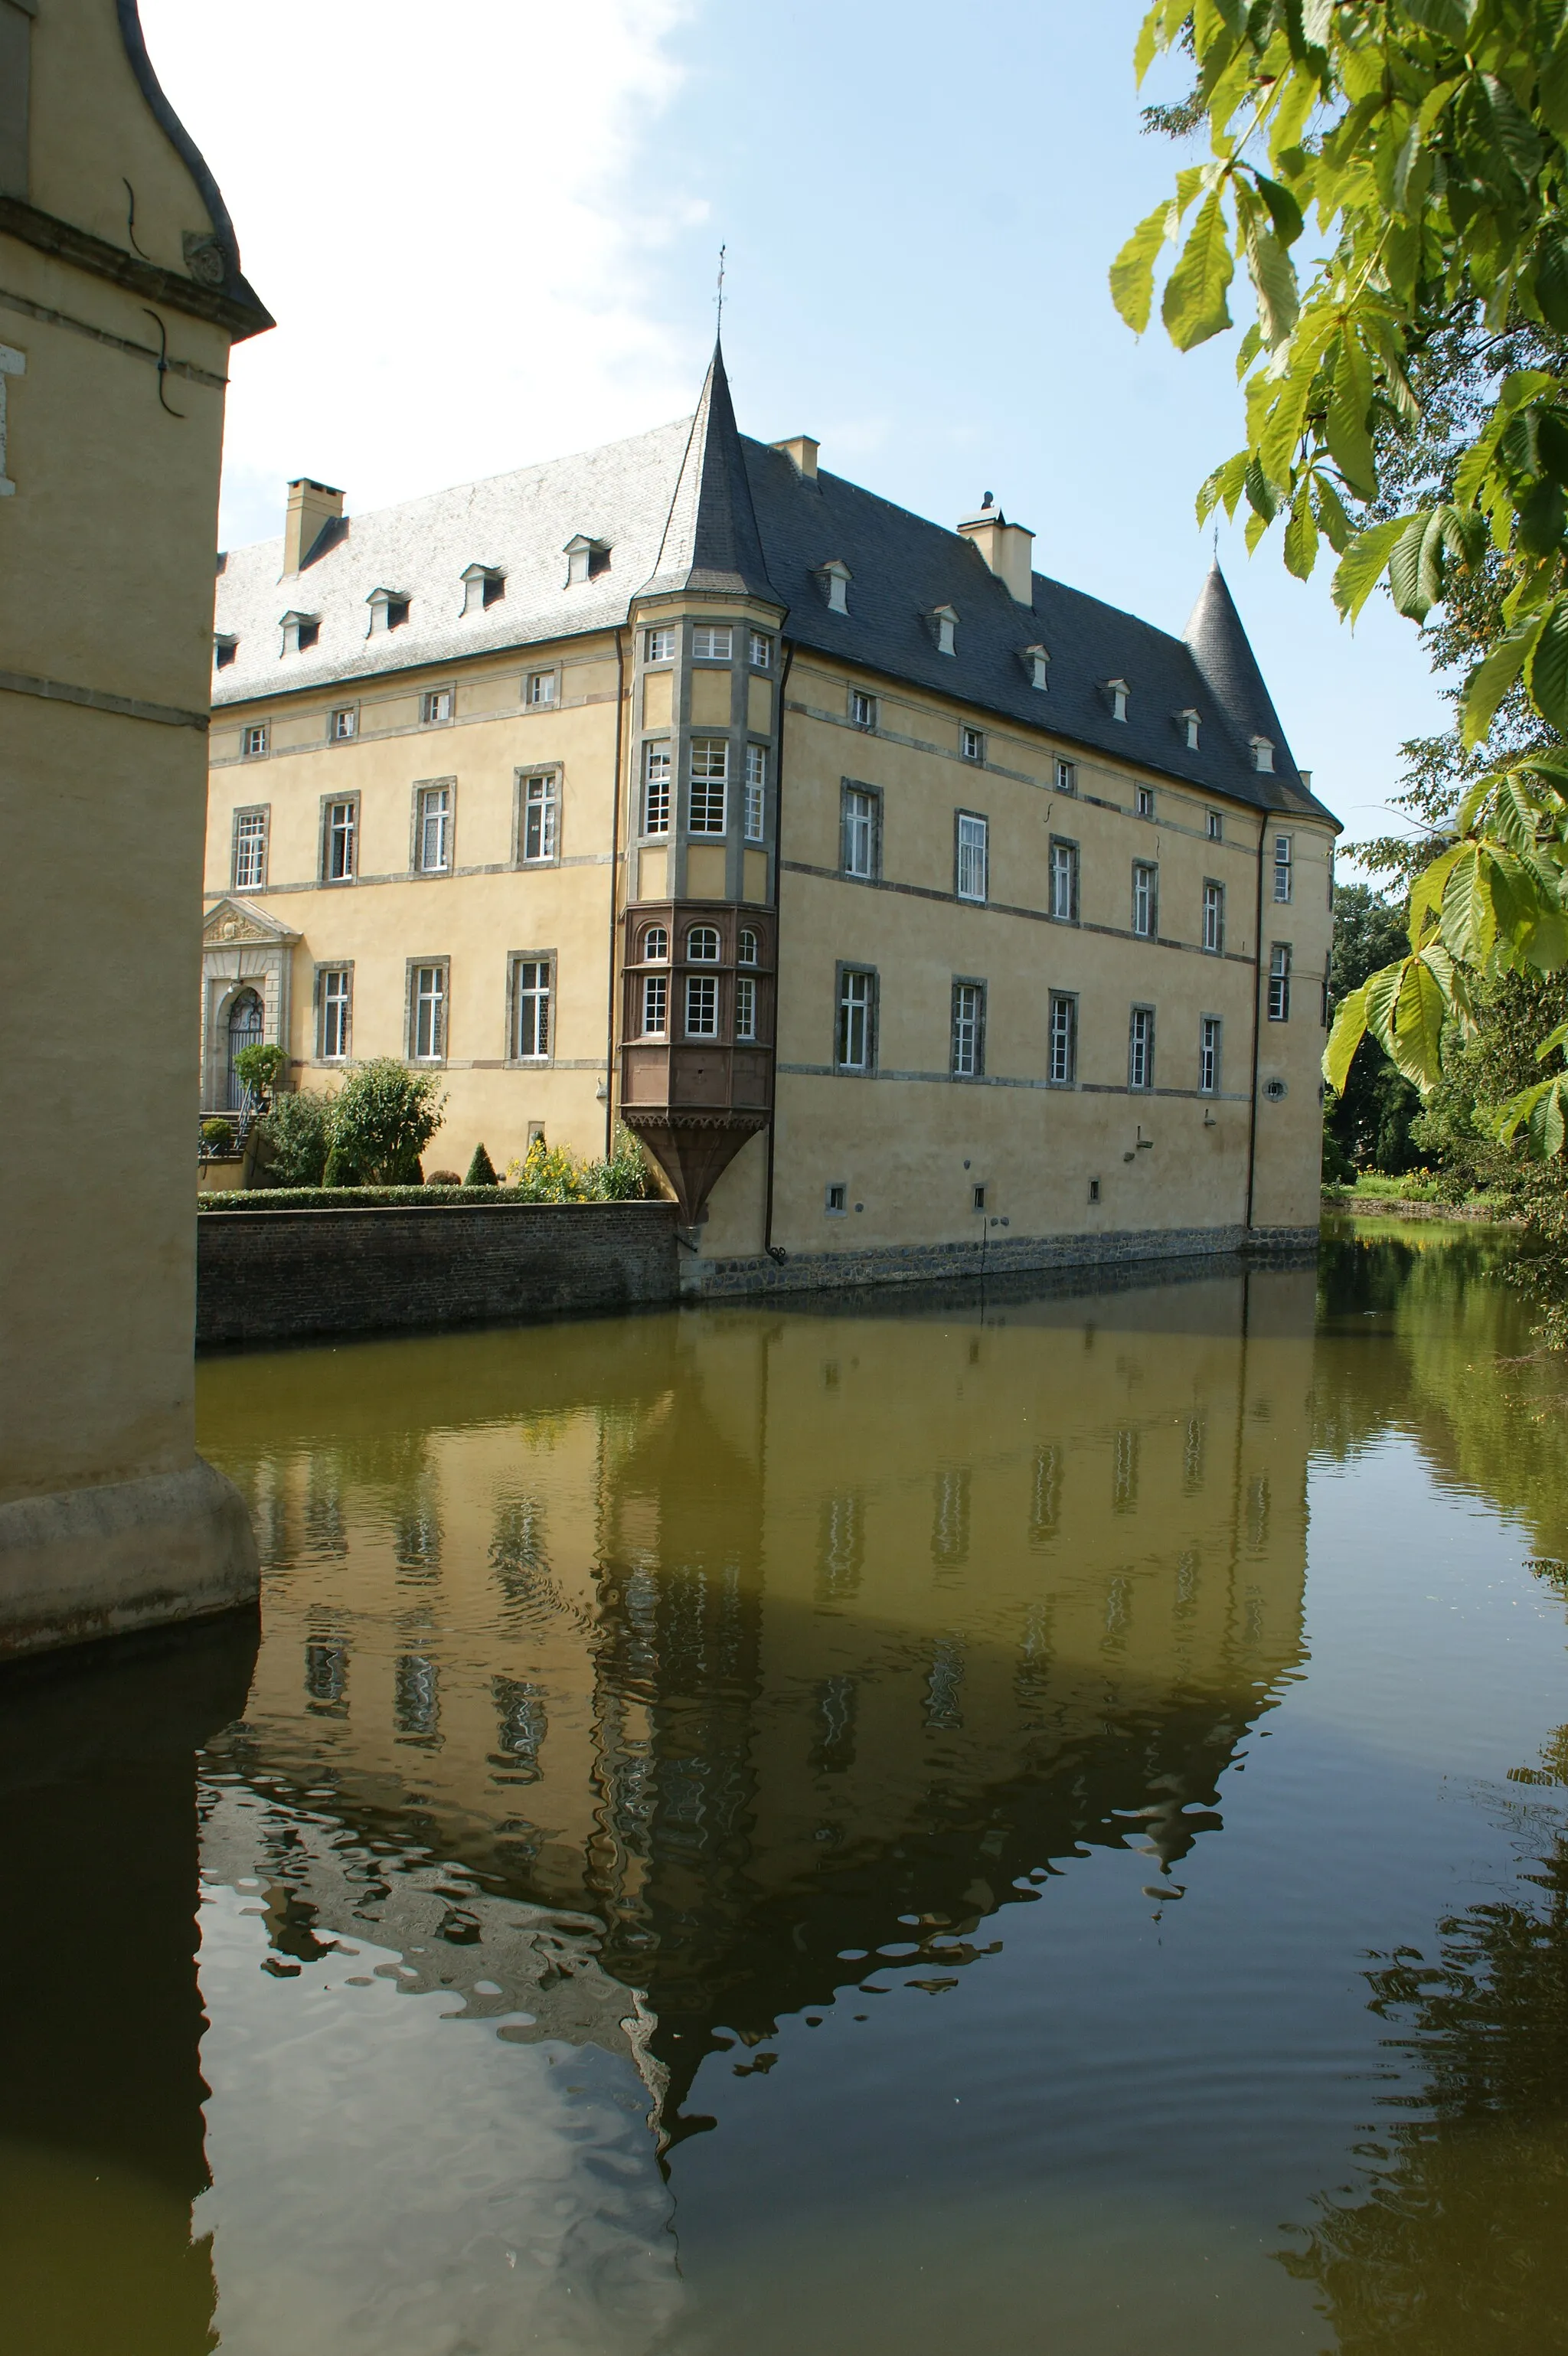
x=489, y=234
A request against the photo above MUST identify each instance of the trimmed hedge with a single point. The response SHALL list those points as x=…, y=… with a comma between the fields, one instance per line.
x=369, y=1198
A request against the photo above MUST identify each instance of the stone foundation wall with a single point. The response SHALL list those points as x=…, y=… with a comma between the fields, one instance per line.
x=287, y=1275
x=1015, y=1255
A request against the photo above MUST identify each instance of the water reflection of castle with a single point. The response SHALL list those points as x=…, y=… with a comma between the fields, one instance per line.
x=757, y=1638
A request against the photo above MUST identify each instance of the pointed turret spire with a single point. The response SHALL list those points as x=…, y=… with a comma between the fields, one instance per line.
x=1221, y=649
x=710, y=537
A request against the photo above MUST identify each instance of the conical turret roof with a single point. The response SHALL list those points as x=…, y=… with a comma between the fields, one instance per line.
x=1224, y=654
x=710, y=536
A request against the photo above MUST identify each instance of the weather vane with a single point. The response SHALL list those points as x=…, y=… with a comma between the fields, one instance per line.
x=718, y=298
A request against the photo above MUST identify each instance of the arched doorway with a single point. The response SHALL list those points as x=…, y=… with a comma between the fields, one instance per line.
x=246, y=1025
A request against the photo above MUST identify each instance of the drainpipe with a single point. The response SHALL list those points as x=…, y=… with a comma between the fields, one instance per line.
x=1257, y=1018
x=615, y=892
x=778, y=962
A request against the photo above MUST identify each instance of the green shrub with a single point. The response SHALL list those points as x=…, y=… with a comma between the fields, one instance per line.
x=443, y=1178
x=259, y=1068
x=297, y=1135
x=217, y=1136
x=382, y=1120
x=481, y=1170
x=552, y=1173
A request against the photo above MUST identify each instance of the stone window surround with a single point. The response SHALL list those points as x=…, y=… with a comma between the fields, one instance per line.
x=422, y=785
x=516, y=958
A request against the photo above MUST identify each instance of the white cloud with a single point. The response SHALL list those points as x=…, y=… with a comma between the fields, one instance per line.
x=458, y=219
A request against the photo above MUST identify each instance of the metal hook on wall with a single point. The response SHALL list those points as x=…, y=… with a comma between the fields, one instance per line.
x=130, y=218
x=162, y=361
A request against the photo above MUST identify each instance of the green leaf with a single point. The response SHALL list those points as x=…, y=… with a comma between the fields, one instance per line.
x=1317, y=19
x=1546, y=668
x=1405, y=570
x=1363, y=564
x=1301, y=534
x=1420, y=1011
x=1552, y=91
x=1270, y=268
x=1338, y=529
x=1516, y=134
x=1558, y=1038
x=1448, y=18
x=1349, y=1028
x=1194, y=307
x=1263, y=497
x=1551, y=281
x=1283, y=211
x=1222, y=488
x=1350, y=438
x=1148, y=42
x=1132, y=273
x=1491, y=680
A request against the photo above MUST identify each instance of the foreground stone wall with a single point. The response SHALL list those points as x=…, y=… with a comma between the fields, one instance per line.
x=282, y=1276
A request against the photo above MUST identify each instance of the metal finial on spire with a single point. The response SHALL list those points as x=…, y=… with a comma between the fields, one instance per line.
x=718, y=298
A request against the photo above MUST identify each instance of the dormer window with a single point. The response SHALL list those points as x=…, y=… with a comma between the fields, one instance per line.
x=585, y=559
x=482, y=586
x=1037, y=660
x=1189, y=722
x=301, y=632
x=945, y=622
x=836, y=577
x=1263, y=755
x=388, y=610
x=1119, y=692
x=224, y=649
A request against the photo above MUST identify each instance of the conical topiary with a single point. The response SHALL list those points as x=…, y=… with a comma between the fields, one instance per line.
x=481, y=1170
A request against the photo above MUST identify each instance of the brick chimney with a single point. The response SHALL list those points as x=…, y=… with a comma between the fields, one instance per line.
x=312, y=507
x=801, y=451
x=1008, y=549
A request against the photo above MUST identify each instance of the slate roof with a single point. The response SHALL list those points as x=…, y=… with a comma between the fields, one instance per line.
x=697, y=505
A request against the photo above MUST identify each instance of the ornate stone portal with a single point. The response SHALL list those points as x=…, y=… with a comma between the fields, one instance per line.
x=242, y=948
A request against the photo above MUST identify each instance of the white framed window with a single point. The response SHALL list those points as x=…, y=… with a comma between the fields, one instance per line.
x=1283, y=855
x=249, y=866
x=860, y=830
x=1216, y=825
x=756, y=792
x=334, y=998
x=973, y=834
x=708, y=793
x=1191, y=722
x=340, y=840
x=658, y=645
x=532, y=990
x=1263, y=755
x=972, y=743
x=855, y=1035
x=1119, y=693
x=427, y=1008
x=435, y=705
x=702, y=944
x=343, y=723
x=969, y=1056
x=1061, y=1068
x=862, y=708
x=224, y=650
x=540, y=828
x=1145, y=799
x=656, y=945
x=1063, y=882
x=1140, y=1048
x=1209, y=1055
x=253, y=741
x=745, y=1006
x=1066, y=776
x=1037, y=662
x=1279, y=982
x=761, y=650
x=541, y=689
x=656, y=1005
x=1213, y=918
x=746, y=947
x=432, y=830
x=944, y=620
x=702, y=1006
x=712, y=642
x=655, y=789
x=1146, y=899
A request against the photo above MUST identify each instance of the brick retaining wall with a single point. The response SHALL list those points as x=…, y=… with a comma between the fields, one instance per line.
x=284, y=1276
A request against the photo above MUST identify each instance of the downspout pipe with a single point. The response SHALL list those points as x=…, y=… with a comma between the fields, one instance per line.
x=615, y=892
x=768, y=1245
x=1257, y=1023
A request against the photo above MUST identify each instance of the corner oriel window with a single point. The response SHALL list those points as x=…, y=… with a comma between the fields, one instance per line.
x=1214, y=918
x=972, y=859
x=746, y=946
x=1209, y=1056
x=858, y=831
x=968, y=1030
x=1282, y=866
x=1146, y=899
x=656, y=945
x=541, y=816
x=428, y=1009
x=656, y=1005
x=853, y=1036
x=711, y=643
x=530, y=1009
x=702, y=944
x=702, y=1006
x=1065, y=883
x=655, y=789
x=1062, y=1067
x=432, y=845
x=710, y=775
x=756, y=792
x=745, y=1006
x=336, y=1000
x=341, y=842
x=249, y=860
x=658, y=645
x=1279, y=982
x=1140, y=1048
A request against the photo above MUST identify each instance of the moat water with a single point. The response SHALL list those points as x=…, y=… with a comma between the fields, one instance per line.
x=1037, y=1821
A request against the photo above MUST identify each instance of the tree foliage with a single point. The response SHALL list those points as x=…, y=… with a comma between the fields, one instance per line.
x=382, y=1119
x=1428, y=139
